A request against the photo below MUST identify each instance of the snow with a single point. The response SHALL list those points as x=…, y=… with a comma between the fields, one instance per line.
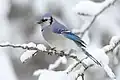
x=114, y=40
x=62, y=60
x=87, y=8
x=30, y=53
x=99, y=54
x=41, y=47
x=53, y=75
x=70, y=67
x=31, y=44
x=27, y=55
x=90, y=8
x=109, y=72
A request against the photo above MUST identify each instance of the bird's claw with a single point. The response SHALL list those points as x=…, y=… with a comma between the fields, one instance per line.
x=62, y=53
x=53, y=48
x=71, y=51
x=49, y=53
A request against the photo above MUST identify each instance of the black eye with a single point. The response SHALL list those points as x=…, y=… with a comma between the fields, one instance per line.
x=43, y=20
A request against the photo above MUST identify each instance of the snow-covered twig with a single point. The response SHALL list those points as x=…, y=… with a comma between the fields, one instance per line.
x=108, y=70
x=88, y=27
x=40, y=48
x=62, y=60
x=45, y=74
x=91, y=57
x=32, y=48
x=90, y=8
x=74, y=65
x=114, y=42
x=95, y=11
x=23, y=46
x=57, y=74
x=82, y=74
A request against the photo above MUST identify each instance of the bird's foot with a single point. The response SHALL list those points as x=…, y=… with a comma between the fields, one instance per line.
x=53, y=48
x=67, y=51
x=62, y=53
x=52, y=51
x=72, y=51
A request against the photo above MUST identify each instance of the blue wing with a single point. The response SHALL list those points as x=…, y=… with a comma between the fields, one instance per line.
x=75, y=38
x=80, y=43
x=61, y=29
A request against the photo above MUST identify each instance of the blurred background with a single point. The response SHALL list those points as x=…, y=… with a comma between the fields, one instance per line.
x=17, y=25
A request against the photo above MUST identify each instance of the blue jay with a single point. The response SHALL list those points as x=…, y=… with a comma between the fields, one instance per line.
x=50, y=26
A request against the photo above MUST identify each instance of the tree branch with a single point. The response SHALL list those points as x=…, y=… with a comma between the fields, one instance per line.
x=88, y=26
x=82, y=74
x=114, y=42
x=74, y=65
x=49, y=51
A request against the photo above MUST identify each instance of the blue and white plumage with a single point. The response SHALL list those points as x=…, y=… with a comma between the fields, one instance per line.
x=56, y=34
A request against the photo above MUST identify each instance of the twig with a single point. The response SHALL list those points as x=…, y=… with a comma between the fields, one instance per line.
x=94, y=18
x=91, y=57
x=112, y=45
x=49, y=51
x=75, y=65
x=82, y=75
x=57, y=63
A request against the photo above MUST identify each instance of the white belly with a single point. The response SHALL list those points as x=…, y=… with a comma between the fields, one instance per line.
x=57, y=40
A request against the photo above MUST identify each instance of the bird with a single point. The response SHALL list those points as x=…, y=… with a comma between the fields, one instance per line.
x=57, y=34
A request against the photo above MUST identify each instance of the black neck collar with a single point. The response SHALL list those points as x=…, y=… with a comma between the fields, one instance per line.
x=51, y=20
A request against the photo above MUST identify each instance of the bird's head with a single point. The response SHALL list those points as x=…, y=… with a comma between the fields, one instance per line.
x=46, y=20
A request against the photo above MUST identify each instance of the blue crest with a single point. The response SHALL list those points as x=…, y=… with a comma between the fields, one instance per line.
x=47, y=15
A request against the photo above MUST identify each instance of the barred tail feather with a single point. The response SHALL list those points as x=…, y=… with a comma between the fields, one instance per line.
x=91, y=57
x=82, y=45
x=83, y=42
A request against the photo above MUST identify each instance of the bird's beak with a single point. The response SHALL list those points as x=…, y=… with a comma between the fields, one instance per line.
x=39, y=22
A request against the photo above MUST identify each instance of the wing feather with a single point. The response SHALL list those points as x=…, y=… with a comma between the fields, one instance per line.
x=75, y=38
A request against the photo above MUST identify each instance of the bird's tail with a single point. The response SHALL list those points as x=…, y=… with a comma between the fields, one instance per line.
x=91, y=57
x=82, y=45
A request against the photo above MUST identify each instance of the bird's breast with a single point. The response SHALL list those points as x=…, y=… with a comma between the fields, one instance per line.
x=58, y=40
x=53, y=39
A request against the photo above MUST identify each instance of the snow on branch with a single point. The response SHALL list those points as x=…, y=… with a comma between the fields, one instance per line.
x=53, y=75
x=90, y=8
x=45, y=74
x=114, y=42
x=33, y=48
x=109, y=72
x=101, y=52
x=62, y=60
x=74, y=65
x=82, y=73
